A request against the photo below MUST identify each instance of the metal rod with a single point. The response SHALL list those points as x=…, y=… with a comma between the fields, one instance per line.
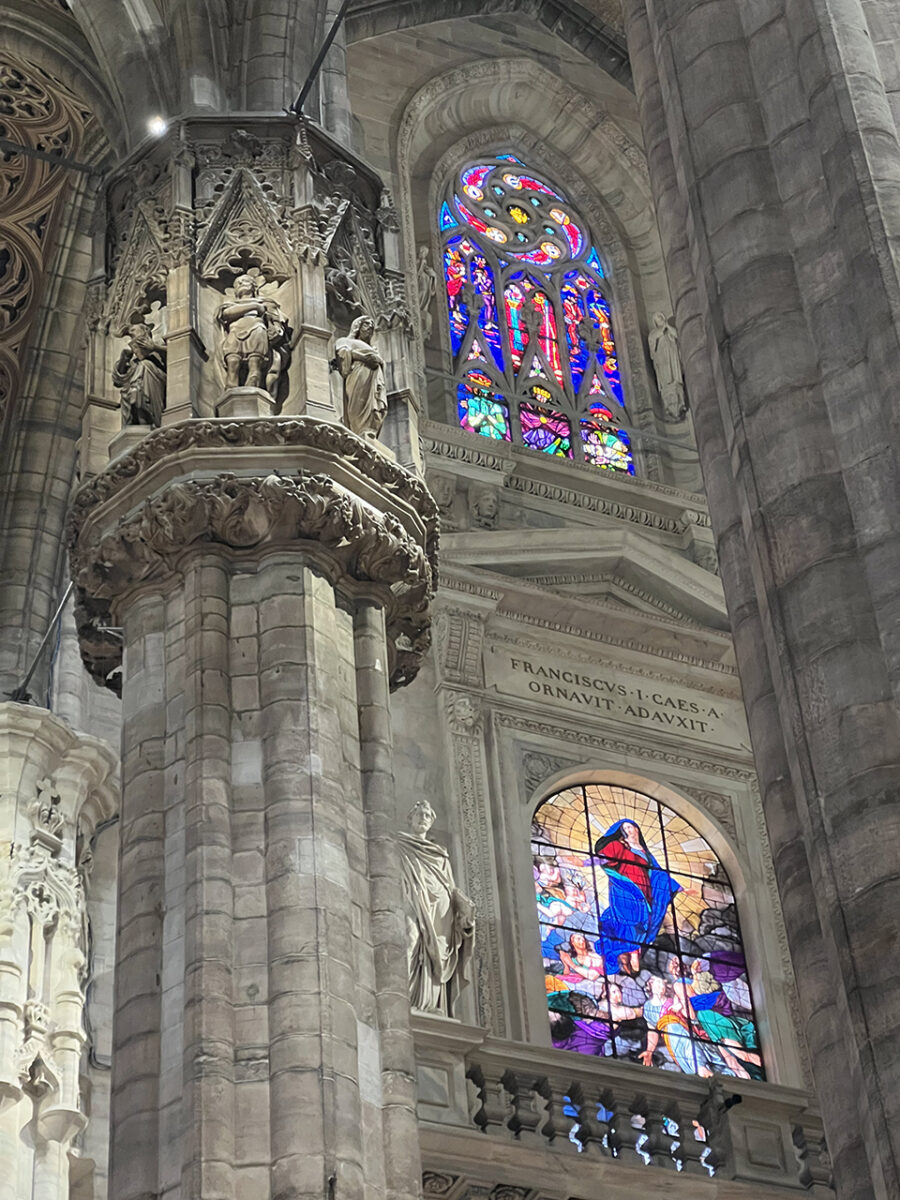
x=20, y=694
x=56, y=160
x=297, y=106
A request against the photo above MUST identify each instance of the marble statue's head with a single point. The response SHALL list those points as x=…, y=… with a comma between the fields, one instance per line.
x=421, y=817
x=423, y=255
x=245, y=285
x=363, y=328
x=659, y=320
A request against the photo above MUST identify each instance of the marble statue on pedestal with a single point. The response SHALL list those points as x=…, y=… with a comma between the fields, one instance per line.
x=663, y=344
x=140, y=376
x=362, y=369
x=256, y=339
x=440, y=919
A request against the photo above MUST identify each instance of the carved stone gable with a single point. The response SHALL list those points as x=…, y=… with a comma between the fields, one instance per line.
x=141, y=274
x=243, y=231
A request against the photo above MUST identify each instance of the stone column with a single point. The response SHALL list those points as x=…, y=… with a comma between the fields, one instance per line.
x=772, y=169
x=272, y=579
x=55, y=785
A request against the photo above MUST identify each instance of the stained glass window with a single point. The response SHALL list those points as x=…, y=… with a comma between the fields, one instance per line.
x=527, y=300
x=642, y=950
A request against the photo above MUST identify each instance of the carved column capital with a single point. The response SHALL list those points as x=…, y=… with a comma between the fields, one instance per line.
x=364, y=522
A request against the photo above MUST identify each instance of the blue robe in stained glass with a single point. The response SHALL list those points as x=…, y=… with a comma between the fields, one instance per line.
x=640, y=892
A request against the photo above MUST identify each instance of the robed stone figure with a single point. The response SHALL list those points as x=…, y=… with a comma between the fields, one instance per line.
x=140, y=376
x=362, y=369
x=440, y=919
x=662, y=342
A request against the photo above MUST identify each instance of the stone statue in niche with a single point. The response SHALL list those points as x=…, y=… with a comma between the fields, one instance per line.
x=427, y=283
x=440, y=919
x=140, y=376
x=663, y=344
x=255, y=346
x=362, y=369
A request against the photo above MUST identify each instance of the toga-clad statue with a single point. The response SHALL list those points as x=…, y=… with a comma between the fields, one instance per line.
x=663, y=344
x=362, y=369
x=440, y=919
x=140, y=376
x=255, y=344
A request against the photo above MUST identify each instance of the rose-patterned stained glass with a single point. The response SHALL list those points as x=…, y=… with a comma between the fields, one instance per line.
x=527, y=300
x=544, y=429
x=642, y=951
x=481, y=409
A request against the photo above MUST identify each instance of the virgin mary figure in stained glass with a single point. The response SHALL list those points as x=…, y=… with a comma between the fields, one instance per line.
x=640, y=892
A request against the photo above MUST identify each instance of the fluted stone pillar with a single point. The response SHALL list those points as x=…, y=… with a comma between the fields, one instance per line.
x=271, y=579
x=55, y=786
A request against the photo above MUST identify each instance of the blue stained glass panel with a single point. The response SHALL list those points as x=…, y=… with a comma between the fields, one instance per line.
x=447, y=220
x=482, y=410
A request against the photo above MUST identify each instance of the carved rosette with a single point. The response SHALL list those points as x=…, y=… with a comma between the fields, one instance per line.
x=365, y=522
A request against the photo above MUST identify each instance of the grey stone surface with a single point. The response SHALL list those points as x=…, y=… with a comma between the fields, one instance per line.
x=263, y=1043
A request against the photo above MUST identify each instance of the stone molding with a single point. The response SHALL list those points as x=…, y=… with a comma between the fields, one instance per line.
x=262, y=432
x=623, y=749
x=351, y=540
x=687, y=508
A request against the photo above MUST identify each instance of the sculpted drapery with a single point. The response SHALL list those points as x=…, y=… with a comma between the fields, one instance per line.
x=362, y=369
x=440, y=919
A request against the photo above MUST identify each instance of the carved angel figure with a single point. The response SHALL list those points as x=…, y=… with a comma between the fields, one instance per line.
x=362, y=369
x=255, y=344
x=663, y=344
x=140, y=375
x=440, y=919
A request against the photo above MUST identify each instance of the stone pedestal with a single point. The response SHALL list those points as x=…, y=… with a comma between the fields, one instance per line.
x=126, y=439
x=245, y=402
x=272, y=579
x=56, y=785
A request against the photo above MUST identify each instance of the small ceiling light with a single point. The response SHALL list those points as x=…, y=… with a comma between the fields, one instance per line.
x=157, y=126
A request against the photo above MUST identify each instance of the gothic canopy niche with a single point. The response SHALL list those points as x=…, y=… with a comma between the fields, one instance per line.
x=37, y=111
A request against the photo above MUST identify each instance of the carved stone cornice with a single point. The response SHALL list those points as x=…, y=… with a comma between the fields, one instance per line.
x=260, y=433
x=366, y=524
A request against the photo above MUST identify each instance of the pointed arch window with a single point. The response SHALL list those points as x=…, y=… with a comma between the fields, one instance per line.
x=642, y=950
x=530, y=322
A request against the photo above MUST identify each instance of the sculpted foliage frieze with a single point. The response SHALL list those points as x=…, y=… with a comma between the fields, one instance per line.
x=350, y=539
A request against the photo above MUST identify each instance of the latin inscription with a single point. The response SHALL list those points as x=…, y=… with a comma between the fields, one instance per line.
x=625, y=698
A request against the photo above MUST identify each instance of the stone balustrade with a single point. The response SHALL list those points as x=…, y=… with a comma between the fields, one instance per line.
x=542, y=1109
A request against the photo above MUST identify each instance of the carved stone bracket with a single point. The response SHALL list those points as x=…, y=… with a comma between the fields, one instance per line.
x=365, y=522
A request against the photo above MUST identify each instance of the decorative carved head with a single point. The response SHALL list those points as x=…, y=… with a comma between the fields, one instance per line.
x=363, y=328
x=443, y=489
x=660, y=320
x=246, y=285
x=484, y=505
x=420, y=818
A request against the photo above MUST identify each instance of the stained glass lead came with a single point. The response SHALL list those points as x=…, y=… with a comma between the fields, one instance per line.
x=539, y=312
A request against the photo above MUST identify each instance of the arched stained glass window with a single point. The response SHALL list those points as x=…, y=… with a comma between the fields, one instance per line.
x=642, y=950
x=530, y=323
